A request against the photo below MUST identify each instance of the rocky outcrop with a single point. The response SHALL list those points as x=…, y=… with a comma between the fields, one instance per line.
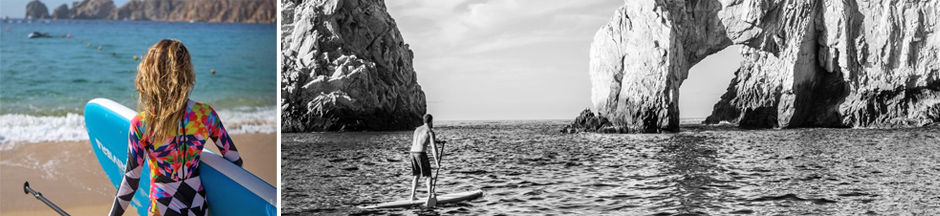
x=807, y=63
x=61, y=12
x=588, y=122
x=92, y=9
x=346, y=67
x=240, y=11
x=36, y=10
x=639, y=59
x=132, y=10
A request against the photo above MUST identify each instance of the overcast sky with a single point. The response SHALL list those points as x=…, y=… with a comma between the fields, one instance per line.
x=524, y=59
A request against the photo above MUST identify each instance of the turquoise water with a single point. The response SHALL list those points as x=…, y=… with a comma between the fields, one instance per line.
x=45, y=82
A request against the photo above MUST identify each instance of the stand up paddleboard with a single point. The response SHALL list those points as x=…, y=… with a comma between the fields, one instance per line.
x=446, y=198
x=230, y=189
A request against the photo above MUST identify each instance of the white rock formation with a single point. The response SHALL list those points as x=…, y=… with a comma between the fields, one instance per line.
x=346, y=67
x=807, y=63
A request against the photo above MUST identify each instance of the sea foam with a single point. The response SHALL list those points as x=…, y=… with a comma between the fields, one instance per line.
x=16, y=128
x=21, y=128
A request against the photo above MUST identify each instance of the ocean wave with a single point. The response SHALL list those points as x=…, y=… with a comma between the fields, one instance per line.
x=696, y=120
x=249, y=120
x=21, y=128
x=16, y=128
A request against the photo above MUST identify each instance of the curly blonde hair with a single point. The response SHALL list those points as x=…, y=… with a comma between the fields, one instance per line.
x=164, y=80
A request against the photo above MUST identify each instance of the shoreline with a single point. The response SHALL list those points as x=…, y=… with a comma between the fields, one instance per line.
x=68, y=174
x=22, y=128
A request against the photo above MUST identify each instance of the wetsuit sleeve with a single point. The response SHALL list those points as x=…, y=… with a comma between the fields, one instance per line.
x=221, y=139
x=132, y=170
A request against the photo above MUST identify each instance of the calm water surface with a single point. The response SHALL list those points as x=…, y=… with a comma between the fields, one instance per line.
x=526, y=167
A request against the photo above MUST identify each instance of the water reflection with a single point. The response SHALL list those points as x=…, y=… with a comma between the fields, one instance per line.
x=691, y=165
x=527, y=168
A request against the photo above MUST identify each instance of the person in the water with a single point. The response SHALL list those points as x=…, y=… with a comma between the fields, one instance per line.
x=170, y=130
x=420, y=163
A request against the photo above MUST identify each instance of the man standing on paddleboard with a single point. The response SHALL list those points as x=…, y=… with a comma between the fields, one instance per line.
x=420, y=163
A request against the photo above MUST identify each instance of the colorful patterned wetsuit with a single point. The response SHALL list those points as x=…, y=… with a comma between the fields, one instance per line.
x=175, y=188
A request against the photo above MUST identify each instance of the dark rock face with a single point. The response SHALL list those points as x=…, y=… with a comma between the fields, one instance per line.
x=807, y=63
x=588, y=122
x=346, y=67
x=37, y=10
x=61, y=12
x=92, y=9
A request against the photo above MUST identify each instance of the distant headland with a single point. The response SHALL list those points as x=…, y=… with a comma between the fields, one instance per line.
x=236, y=11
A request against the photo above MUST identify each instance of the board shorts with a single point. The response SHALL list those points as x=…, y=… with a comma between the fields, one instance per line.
x=420, y=164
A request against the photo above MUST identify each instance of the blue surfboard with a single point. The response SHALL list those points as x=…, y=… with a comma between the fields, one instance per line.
x=230, y=189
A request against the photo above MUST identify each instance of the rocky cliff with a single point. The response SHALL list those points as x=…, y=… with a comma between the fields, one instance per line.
x=132, y=10
x=241, y=11
x=807, y=63
x=346, y=67
x=92, y=9
x=61, y=12
x=37, y=10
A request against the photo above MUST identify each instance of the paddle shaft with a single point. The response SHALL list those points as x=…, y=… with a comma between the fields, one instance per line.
x=438, y=172
x=39, y=196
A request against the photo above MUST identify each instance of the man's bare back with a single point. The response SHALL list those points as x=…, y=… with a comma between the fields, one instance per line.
x=422, y=137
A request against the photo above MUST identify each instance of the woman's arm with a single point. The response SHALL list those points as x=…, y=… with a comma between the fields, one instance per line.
x=221, y=139
x=135, y=157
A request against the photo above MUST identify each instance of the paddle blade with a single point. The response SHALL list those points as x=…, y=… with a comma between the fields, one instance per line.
x=432, y=201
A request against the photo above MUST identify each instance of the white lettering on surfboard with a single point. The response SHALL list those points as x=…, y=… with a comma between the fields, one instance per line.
x=107, y=153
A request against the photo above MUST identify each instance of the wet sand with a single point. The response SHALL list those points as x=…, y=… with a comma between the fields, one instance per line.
x=530, y=168
x=68, y=174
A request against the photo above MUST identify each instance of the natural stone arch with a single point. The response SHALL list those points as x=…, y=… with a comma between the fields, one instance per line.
x=707, y=81
x=807, y=63
x=640, y=58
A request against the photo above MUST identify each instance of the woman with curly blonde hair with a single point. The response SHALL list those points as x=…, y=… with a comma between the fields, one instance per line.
x=170, y=131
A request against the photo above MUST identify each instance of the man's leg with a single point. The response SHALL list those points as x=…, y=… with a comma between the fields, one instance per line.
x=414, y=187
x=430, y=193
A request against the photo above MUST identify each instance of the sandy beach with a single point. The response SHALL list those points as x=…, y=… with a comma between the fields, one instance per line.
x=68, y=174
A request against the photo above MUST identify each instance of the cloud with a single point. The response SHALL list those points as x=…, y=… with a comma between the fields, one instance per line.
x=517, y=40
x=583, y=19
x=501, y=12
x=502, y=59
x=456, y=23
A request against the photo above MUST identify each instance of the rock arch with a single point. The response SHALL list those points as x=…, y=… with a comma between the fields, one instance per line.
x=807, y=63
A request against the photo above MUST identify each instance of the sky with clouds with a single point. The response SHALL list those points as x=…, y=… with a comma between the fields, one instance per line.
x=511, y=59
x=524, y=59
